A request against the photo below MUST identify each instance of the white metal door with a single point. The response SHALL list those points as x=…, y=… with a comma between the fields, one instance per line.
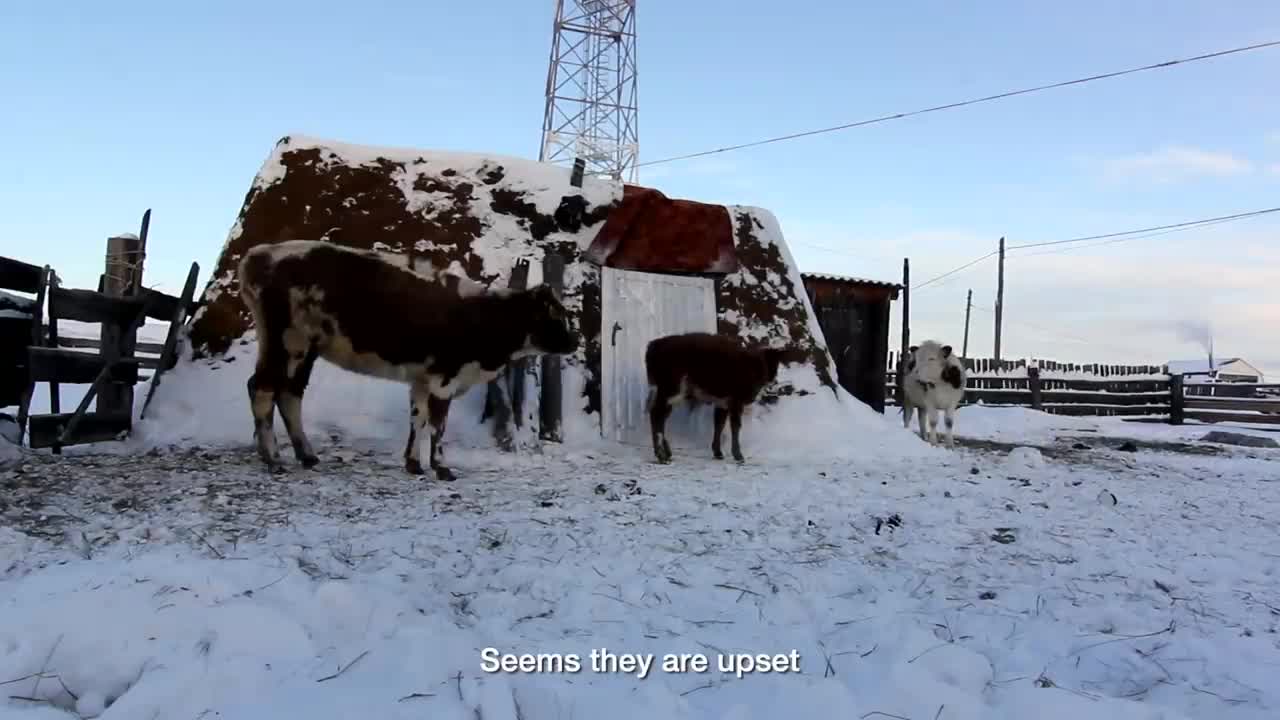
x=636, y=308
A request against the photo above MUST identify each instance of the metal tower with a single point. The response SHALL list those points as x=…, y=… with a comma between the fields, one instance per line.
x=591, y=88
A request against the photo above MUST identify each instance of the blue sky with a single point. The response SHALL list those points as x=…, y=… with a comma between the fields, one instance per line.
x=113, y=108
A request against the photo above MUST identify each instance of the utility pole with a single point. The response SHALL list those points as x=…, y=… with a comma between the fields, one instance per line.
x=999, y=301
x=968, y=306
x=906, y=329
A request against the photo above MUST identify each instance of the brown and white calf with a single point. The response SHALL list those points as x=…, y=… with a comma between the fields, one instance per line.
x=362, y=313
x=705, y=368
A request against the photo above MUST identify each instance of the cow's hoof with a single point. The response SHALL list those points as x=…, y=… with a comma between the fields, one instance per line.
x=414, y=467
x=309, y=461
x=276, y=468
x=444, y=474
x=717, y=454
x=738, y=458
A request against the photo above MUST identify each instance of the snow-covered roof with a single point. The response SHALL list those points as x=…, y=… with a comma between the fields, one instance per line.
x=1198, y=367
x=852, y=280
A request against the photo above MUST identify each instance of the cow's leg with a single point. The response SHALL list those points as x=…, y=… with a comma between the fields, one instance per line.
x=438, y=417
x=302, y=358
x=721, y=415
x=419, y=400
x=735, y=427
x=907, y=412
x=920, y=421
x=949, y=419
x=263, y=408
x=659, y=411
x=267, y=380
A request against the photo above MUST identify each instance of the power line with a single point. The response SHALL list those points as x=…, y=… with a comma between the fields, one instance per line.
x=974, y=101
x=1060, y=335
x=1237, y=216
x=1118, y=240
x=1122, y=237
x=953, y=272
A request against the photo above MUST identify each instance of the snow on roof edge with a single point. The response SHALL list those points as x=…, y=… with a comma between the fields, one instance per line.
x=851, y=279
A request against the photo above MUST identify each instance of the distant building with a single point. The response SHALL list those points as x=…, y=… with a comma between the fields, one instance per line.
x=1226, y=370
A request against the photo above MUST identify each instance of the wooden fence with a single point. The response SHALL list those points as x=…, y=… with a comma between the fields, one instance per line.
x=1146, y=391
x=989, y=366
x=36, y=352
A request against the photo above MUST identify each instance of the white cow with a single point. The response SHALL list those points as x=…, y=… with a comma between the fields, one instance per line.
x=935, y=380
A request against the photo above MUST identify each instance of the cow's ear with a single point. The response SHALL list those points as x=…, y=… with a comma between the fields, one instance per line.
x=913, y=348
x=946, y=351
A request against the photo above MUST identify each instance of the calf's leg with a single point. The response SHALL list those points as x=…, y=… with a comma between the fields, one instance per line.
x=289, y=400
x=933, y=425
x=659, y=411
x=721, y=415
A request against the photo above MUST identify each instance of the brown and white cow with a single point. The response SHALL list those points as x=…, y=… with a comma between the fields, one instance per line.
x=705, y=368
x=359, y=311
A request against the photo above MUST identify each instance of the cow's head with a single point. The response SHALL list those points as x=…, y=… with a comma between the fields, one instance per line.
x=549, y=330
x=773, y=357
x=930, y=359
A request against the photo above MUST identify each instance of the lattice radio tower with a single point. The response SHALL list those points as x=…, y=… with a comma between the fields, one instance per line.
x=591, y=88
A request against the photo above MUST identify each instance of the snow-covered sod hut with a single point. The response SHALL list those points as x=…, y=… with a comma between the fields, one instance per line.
x=636, y=265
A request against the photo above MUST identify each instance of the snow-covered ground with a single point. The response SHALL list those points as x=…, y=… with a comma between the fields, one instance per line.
x=912, y=583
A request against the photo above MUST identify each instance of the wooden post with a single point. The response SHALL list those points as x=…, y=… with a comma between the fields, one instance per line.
x=881, y=358
x=906, y=330
x=999, y=300
x=504, y=406
x=1177, y=400
x=1033, y=384
x=123, y=276
x=968, y=306
x=549, y=399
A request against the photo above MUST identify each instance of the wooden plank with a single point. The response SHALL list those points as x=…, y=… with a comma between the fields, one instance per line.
x=1111, y=385
x=999, y=397
x=19, y=276
x=43, y=430
x=1106, y=410
x=69, y=366
x=1076, y=397
x=95, y=343
x=92, y=307
x=162, y=306
x=1237, y=386
x=1237, y=404
x=1220, y=417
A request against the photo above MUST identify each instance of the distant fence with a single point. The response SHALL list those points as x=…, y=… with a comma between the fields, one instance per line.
x=1109, y=390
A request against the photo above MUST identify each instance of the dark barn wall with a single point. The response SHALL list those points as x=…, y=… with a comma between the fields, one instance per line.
x=854, y=318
